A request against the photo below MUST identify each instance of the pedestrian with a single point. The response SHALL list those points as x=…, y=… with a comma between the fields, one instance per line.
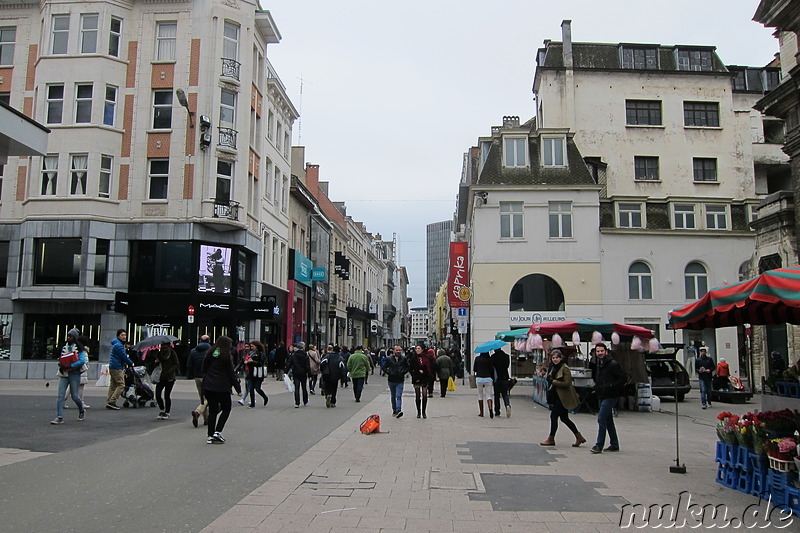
x=345, y=356
x=358, y=365
x=561, y=397
x=444, y=369
x=117, y=361
x=331, y=369
x=383, y=356
x=218, y=378
x=458, y=363
x=84, y=375
x=502, y=382
x=722, y=375
x=313, y=360
x=298, y=367
x=705, y=371
x=777, y=365
x=421, y=373
x=281, y=355
x=396, y=367
x=271, y=361
x=194, y=370
x=257, y=373
x=74, y=351
x=248, y=375
x=432, y=378
x=168, y=360
x=484, y=377
x=609, y=381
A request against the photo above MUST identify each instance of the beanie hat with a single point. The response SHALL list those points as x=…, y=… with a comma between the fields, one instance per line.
x=74, y=333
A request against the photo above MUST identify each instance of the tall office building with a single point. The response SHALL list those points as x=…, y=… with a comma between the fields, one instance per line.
x=438, y=242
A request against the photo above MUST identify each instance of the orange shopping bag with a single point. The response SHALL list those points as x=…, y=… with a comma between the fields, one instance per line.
x=371, y=425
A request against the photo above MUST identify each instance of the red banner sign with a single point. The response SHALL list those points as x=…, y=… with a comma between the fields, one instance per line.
x=458, y=292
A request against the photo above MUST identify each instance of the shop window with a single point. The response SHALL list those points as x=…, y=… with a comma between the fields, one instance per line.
x=44, y=335
x=161, y=265
x=536, y=292
x=101, y=262
x=3, y=264
x=57, y=262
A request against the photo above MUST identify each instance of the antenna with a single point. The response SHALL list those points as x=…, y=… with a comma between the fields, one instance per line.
x=300, y=111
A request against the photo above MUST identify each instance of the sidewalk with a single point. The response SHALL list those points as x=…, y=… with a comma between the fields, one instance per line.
x=455, y=471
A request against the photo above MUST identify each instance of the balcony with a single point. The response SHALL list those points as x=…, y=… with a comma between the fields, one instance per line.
x=226, y=209
x=227, y=137
x=230, y=68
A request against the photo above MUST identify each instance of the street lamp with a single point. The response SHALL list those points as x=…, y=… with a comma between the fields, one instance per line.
x=185, y=103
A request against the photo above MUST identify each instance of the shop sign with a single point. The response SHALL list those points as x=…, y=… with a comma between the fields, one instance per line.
x=157, y=329
x=301, y=268
x=349, y=326
x=527, y=318
x=319, y=273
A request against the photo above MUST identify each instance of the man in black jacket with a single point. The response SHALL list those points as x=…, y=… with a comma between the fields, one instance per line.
x=501, y=362
x=331, y=368
x=194, y=369
x=396, y=368
x=609, y=380
x=299, y=367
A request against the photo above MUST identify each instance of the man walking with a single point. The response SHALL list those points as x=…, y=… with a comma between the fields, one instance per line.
x=299, y=367
x=194, y=370
x=117, y=360
x=358, y=364
x=609, y=381
x=705, y=374
x=396, y=368
x=332, y=369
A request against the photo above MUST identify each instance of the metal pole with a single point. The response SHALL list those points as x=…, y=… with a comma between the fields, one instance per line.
x=678, y=468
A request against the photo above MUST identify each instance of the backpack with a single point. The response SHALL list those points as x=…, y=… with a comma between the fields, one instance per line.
x=330, y=365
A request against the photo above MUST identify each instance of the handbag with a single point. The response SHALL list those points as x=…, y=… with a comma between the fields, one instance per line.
x=473, y=384
x=451, y=384
x=155, y=375
x=66, y=360
x=288, y=382
x=259, y=372
x=371, y=425
x=552, y=395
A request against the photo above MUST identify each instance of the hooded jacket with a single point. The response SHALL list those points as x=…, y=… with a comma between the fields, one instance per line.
x=194, y=364
x=218, y=373
x=118, y=358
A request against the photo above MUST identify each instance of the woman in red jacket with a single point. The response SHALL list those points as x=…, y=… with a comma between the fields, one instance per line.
x=421, y=374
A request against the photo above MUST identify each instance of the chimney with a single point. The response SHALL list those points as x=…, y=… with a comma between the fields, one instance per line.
x=566, y=37
x=312, y=178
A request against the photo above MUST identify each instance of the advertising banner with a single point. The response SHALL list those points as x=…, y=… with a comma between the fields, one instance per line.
x=458, y=292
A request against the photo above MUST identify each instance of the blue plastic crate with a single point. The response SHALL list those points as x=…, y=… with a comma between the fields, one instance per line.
x=720, y=454
x=760, y=487
x=743, y=458
x=780, y=480
x=758, y=461
x=732, y=477
x=793, y=499
x=779, y=497
x=731, y=454
x=745, y=482
x=721, y=470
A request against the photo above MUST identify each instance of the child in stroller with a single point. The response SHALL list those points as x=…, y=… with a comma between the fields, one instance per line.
x=138, y=388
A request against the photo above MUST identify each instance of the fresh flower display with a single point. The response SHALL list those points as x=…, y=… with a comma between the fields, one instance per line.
x=765, y=432
x=784, y=448
x=727, y=428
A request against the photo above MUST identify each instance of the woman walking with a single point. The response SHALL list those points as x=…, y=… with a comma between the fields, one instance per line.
x=444, y=367
x=248, y=373
x=484, y=377
x=562, y=397
x=70, y=376
x=313, y=360
x=218, y=378
x=257, y=372
x=168, y=360
x=421, y=374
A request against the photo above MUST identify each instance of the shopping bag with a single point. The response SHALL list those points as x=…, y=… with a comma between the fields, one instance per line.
x=66, y=360
x=288, y=382
x=155, y=375
x=258, y=372
x=472, y=383
x=451, y=384
x=371, y=425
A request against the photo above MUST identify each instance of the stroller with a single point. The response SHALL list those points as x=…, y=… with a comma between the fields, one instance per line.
x=138, y=388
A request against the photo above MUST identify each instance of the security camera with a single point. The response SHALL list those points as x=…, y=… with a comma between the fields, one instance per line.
x=205, y=140
x=205, y=122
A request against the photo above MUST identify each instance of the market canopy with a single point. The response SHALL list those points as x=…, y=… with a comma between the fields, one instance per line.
x=512, y=335
x=586, y=327
x=771, y=298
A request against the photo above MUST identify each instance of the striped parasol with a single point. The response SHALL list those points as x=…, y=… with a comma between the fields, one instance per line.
x=771, y=298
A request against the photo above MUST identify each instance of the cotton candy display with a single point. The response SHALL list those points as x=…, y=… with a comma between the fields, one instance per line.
x=615, y=338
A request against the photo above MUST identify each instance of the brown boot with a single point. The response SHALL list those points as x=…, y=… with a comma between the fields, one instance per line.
x=578, y=440
x=480, y=406
x=549, y=441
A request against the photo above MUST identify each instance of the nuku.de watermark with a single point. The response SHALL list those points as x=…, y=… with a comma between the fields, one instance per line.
x=686, y=514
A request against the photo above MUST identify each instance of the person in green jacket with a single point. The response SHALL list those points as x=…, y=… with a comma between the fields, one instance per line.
x=444, y=368
x=358, y=364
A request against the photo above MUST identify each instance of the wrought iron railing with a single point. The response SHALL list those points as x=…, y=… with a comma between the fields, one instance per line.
x=226, y=209
x=230, y=68
x=227, y=137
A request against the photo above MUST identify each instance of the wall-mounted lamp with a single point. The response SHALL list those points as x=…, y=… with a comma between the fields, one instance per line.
x=482, y=197
x=205, y=140
x=185, y=103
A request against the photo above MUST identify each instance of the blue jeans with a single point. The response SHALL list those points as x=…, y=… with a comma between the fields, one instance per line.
x=73, y=381
x=396, y=393
x=705, y=386
x=605, y=422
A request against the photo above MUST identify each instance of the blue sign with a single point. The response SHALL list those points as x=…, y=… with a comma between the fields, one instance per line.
x=462, y=311
x=319, y=273
x=302, y=268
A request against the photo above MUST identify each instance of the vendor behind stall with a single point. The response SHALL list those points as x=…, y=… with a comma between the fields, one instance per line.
x=722, y=375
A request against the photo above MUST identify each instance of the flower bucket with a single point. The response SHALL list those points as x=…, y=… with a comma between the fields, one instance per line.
x=781, y=465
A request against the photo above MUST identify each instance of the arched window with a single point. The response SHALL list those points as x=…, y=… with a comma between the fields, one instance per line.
x=695, y=279
x=536, y=292
x=640, y=282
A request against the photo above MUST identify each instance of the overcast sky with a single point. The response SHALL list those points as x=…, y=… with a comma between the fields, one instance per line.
x=394, y=93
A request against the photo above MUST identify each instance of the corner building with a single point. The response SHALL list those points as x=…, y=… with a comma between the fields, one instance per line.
x=165, y=187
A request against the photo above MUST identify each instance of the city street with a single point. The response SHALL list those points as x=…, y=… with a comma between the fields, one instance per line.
x=127, y=470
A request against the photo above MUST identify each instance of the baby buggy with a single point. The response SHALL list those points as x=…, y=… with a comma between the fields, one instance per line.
x=138, y=388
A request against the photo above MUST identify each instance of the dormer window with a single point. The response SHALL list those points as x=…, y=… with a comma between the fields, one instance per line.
x=554, y=152
x=639, y=58
x=695, y=60
x=515, y=152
